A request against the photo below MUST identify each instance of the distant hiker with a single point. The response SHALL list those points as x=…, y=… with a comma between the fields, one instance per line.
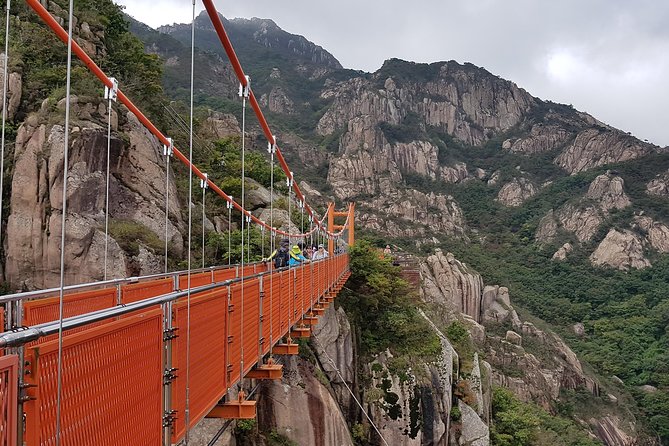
x=281, y=255
x=387, y=251
x=320, y=254
x=296, y=256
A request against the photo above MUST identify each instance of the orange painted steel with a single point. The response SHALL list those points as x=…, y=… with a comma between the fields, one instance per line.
x=273, y=293
x=9, y=370
x=234, y=349
x=2, y=325
x=222, y=275
x=251, y=318
x=196, y=280
x=207, y=377
x=112, y=385
x=143, y=290
x=113, y=372
x=47, y=310
x=286, y=307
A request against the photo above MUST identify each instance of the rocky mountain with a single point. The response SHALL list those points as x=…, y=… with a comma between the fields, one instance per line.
x=450, y=154
x=567, y=215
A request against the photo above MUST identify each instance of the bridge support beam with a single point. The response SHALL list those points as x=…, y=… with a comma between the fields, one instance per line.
x=266, y=371
x=288, y=348
x=300, y=332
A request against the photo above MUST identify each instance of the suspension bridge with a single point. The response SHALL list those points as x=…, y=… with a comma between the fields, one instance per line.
x=142, y=360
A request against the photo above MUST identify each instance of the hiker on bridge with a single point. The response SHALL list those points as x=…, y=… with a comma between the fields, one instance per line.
x=320, y=254
x=280, y=255
x=296, y=256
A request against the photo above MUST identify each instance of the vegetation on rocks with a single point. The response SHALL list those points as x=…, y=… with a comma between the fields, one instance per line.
x=519, y=424
x=384, y=307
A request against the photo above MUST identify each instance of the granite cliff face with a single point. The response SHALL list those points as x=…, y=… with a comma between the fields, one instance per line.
x=583, y=217
x=137, y=194
x=535, y=364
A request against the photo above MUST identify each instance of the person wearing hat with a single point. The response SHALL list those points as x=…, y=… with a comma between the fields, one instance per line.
x=320, y=254
x=296, y=256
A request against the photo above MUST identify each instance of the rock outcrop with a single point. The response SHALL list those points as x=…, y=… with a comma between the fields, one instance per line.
x=277, y=101
x=584, y=217
x=657, y=233
x=621, y=250
x=14, y=89
x=314, y=418
x=597, y=147
x=137, y=191
x=333, y=343
x=515, y=193
x=561, y=254
x=449, y=282
x=659, y=186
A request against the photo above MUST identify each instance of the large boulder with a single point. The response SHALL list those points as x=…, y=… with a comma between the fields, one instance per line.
x=621, y=250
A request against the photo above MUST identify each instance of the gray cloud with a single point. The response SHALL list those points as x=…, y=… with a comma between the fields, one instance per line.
x=609, y=58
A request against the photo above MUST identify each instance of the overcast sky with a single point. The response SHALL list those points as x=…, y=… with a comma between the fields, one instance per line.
x=609, y=58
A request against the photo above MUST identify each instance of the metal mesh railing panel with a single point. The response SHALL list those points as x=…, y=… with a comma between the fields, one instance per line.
x=111, y=385
x=208, y=313
x=8, y=399
x=196, y=280
x=47, y=310
x=145, y=290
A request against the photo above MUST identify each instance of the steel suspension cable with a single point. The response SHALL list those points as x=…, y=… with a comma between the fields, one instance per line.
x=110, y=94
x=5, y=103
x=203, y=185
x=229, y=206
x=291, y=273
x=271, y=148
x=190, y=225
x=68, y=79
x=167, y=152
x=301, y=203
x=243, y=92
x=362, y=409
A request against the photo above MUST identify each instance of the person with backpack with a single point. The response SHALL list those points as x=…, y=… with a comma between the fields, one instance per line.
x=280, y=255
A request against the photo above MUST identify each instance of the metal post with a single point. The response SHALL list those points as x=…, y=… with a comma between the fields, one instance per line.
x=261, y=341
x=21, y=352
x=169, y=374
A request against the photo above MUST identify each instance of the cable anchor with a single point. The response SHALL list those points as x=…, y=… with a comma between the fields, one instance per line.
x=168, y=149
x=111, y=93
x=271, y=146
x=245, y=90
x=204, y=182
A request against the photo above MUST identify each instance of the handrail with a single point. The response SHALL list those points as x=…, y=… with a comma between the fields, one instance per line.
x=20, y=336
x=40, y=293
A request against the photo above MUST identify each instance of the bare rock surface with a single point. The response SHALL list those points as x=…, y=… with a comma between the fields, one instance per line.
x=449, y=282
x=333, y=340
x=584, y=217
x=14, y=89
x=596, y=147
x=474, y=431
x=621, y=250
x=659, y=186
x=561, y=254
x=313, y=417
x=516, y=192
x=137, y=191
x=657, y=233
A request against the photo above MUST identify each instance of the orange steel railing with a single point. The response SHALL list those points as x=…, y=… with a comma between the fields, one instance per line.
x=8, y=398
x=123, y=377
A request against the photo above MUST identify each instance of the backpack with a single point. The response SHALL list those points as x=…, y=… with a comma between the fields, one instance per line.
x=282, y=258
